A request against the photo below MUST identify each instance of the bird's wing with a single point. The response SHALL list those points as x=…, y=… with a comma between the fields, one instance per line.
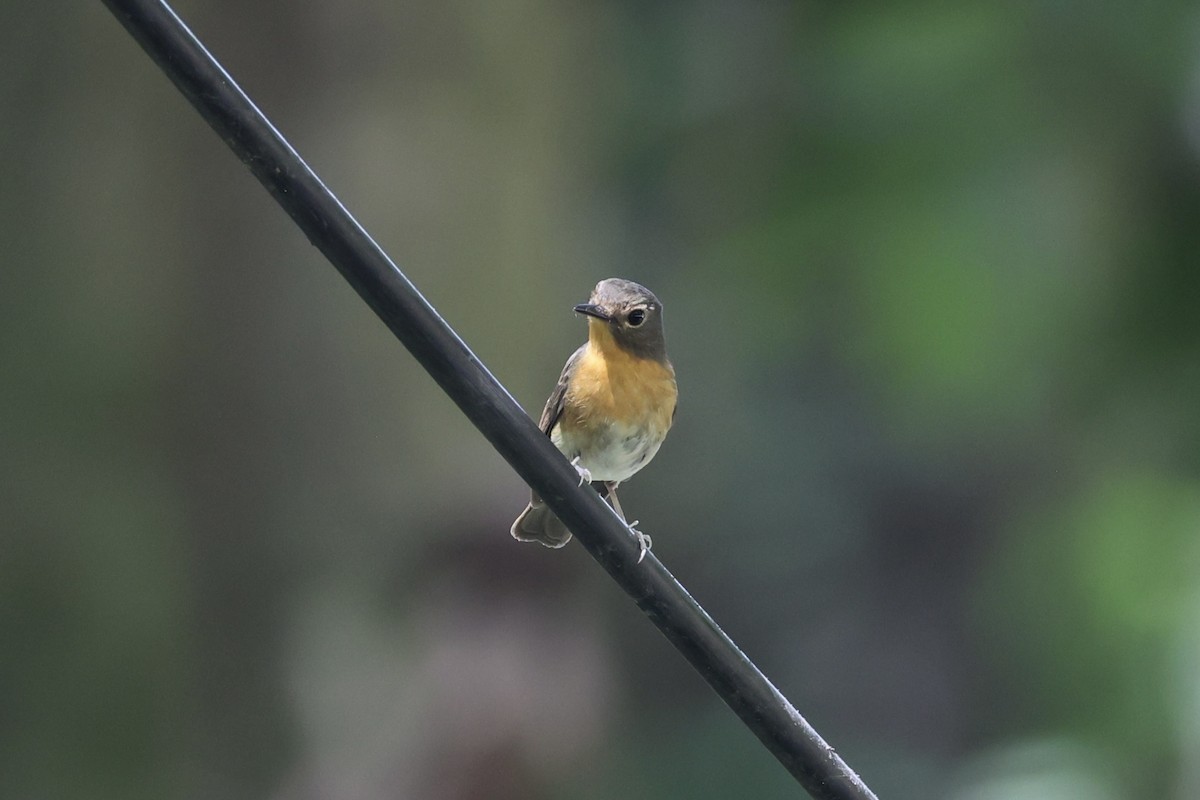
x=554, y=405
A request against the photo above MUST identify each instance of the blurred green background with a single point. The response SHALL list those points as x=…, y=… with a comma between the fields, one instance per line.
x=932, y=280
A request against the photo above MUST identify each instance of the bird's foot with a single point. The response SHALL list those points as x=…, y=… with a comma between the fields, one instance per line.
x=644, y=541
x=585, y=475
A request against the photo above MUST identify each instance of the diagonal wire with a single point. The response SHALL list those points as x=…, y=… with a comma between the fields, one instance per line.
x=331, y=228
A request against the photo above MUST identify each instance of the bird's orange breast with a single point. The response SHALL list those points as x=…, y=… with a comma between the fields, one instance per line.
x=611, y=385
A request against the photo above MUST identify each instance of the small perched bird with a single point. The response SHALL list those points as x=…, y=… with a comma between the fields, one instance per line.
x=613, y=404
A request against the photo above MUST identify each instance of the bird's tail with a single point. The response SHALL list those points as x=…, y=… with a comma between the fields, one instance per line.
x=537, y=523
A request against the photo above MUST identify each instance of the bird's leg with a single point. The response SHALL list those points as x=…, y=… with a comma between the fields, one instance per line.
x=585, y=475
x=644, y=540
x=610, y=494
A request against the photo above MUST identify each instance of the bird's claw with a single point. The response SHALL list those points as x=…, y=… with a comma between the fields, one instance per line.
x=644, y=541
x=585, y=474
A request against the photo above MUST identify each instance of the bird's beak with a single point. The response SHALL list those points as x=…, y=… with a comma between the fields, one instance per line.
x=593, y=310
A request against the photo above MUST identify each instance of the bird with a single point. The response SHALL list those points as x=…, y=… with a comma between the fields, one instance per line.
x=613, y=405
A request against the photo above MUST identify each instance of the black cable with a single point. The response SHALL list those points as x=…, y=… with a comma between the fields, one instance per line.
x=464, y=378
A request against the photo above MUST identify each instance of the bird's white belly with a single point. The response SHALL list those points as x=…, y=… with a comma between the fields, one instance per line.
x=615, y=453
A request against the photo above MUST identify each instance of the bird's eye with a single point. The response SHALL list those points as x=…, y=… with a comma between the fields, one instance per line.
x=637, y=317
